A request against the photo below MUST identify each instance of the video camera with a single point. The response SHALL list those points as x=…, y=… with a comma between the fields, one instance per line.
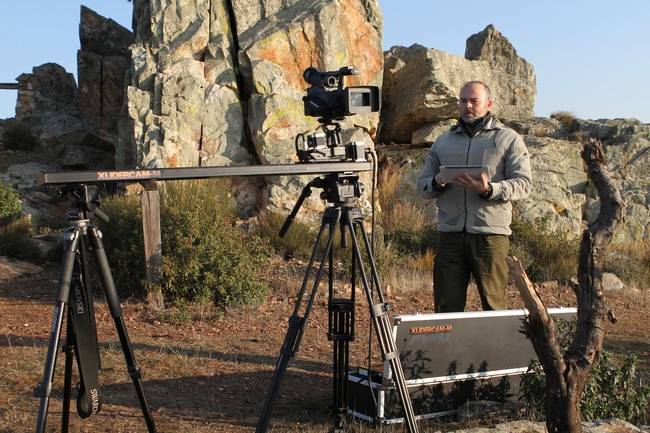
x=330, y=101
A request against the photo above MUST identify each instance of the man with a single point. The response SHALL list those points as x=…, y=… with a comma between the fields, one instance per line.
x=474, y=210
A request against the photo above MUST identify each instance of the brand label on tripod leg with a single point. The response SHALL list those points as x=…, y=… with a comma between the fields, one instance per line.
x=94, y=398
x=78, y=301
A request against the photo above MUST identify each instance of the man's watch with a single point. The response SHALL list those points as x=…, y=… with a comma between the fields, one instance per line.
x=488, y=191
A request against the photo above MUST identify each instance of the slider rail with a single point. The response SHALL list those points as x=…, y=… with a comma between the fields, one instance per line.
x=181, y=173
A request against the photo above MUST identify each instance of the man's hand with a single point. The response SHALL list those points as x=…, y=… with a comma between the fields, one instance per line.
x=439, y=181
x=475, y=183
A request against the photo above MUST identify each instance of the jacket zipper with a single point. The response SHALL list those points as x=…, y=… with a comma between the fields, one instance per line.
x=469, y=145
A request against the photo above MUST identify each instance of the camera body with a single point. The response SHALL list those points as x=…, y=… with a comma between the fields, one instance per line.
x=328, y=99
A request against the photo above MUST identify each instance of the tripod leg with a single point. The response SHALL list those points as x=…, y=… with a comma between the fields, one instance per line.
x=296, y=324
x=44, y=389
x=116, y=312
x=379, y=313
x=67, y=383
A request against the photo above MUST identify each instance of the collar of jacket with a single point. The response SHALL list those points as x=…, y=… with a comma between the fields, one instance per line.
x=487, y=123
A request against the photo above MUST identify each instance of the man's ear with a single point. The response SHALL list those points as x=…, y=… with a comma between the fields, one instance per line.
x=489, y=104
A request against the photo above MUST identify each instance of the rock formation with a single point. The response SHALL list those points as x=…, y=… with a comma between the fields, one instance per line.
x=102, y=62
x=421, y=85
x=47, y=101
x=183, y=106
x=219, y=86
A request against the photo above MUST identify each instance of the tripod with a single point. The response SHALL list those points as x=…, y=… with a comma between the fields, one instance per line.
x=342, y=191
x=81, y=331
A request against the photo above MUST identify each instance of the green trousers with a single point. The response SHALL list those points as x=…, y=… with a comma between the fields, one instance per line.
x=460, y=255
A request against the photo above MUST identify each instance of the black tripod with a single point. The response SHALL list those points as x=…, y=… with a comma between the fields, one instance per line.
x=81, y=333
x=342, y=191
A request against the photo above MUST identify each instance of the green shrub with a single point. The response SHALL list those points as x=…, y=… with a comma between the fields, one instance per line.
x=205, y=257
x=612, y=390
x=124, y=243
x=10, y=206
x=413, y=242
x=16, y=241
x=544, y=253
x=18, y=136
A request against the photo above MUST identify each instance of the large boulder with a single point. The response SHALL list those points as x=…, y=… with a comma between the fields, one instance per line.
x=421, y=85
x=627, y=147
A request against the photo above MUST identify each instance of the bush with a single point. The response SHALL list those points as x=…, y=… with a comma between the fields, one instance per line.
x=408, y=229
x=10, y=206
x=18, y=136
x=16, y=241
x=389, y=179
x=612, y=390
x=205, y=257
x=569, y=122
x=124, y=243
x=544, y=253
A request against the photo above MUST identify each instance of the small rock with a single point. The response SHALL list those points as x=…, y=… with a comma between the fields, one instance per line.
x=612, y=282
x=14, y=268
x=550, y=285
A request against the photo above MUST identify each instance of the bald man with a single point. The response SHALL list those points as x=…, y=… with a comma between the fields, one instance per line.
x=474, y=209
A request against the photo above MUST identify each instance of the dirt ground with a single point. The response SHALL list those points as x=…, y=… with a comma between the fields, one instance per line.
x=209, y=371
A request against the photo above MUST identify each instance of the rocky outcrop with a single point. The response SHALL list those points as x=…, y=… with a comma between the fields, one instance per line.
x=47, y=101
x=77, y=125
x=183, y=106
x=421, y=85
x=219, y=86
x=491, y=46
x=559, y=184
x=102, y=62
x=627, y=144
x=274, y=52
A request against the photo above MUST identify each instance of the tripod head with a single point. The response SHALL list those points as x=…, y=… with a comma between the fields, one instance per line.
x=86, y=201
x=339, y=189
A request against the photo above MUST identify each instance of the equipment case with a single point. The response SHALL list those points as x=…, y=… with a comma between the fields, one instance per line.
x=448, y=358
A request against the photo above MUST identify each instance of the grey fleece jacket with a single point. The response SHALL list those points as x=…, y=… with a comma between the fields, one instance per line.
x=495, y=145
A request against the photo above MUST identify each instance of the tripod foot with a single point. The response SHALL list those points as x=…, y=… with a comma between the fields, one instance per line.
x=340, y=423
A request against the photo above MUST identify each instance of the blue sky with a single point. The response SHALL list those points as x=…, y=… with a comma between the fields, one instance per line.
x=591, y=57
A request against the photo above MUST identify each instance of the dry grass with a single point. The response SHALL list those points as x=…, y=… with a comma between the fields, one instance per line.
x=404, y=215
x=630, y=261
x=388, y=182
x=414, y=274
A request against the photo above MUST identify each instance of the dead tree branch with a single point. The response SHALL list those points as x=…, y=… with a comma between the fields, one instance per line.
x=567, y=374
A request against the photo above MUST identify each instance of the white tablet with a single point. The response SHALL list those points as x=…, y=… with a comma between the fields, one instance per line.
x=449, y=172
